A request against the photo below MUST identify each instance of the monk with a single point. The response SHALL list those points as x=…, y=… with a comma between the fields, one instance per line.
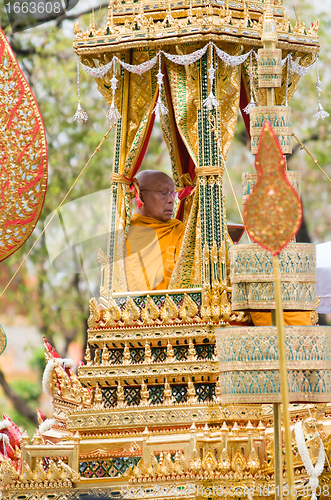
x=154, y=237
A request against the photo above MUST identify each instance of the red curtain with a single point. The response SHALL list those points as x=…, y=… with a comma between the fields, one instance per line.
x=243, y=101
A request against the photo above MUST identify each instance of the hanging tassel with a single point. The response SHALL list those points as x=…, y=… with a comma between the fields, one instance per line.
x=160, y=108
x=211, y=102
x=251, y=104
x=113, y=115
x=80, y=116
x=321, y=114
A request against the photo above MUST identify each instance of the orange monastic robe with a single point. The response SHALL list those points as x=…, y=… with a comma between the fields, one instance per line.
x=151, y=252
x=291, y=318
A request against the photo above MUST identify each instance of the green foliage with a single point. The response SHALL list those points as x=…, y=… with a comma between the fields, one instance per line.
x=37, y=360
x=29, y=391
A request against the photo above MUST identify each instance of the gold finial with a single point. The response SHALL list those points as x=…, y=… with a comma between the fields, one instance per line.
x=126, y=355
x=120, y=396
x=87, y=356
x=218, y=392
x=144, y=394
x=25, y=438
x=37, y=438
x=148, y=353
x=192, y=355
x=105, y=356
x=167, y=394
x=224, y=464
x=253, y=462
x=191, y=395
x=97, y=357
x=269, y=25
x=170, y=353
x=98, y=396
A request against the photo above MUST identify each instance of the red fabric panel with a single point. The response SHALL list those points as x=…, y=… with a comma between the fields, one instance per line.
x=143, y=149
x=244, y=100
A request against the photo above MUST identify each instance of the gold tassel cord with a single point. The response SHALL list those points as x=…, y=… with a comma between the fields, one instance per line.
x=55, y=212
x=218, y=142
x=311, y=156
x=236, y=199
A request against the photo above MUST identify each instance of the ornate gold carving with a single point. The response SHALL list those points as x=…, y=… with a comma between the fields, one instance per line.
x=126, y=355
x=281, y=121
x=112, y=314
x=253, y=462
x=195, y=463
x=170, y=353
x=249, y=363
x=192, y=355
x=191, y=396
x=159, y=22
x=105, y=356
x=188, y=310
x=16, y=479
x=120, y=396
x=96, y=361
x=238, y=463
x=98, y=397
x=150, y=312
x=209, y=463
x=169, y=311
x=130, y=313
x=205, y=306
x=224, y=464
x=168, y=399
x=144, y=393
x=87, y=356
x=102, y=258
x=95, y=314
x=148, y=353
x=218, y=392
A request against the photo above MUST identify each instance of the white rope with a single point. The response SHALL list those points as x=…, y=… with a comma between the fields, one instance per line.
x=231, y=60
x=183, y=60
x=138, y=68
x=186, y=59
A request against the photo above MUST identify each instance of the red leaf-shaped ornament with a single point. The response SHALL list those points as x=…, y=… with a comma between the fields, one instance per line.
x=23, y=155
x=273, y=212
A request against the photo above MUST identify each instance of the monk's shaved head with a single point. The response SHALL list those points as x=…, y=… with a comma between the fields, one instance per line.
x=156, y=193
x=149, y=179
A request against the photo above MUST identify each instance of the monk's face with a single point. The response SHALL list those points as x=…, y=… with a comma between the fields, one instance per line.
x=158, y=203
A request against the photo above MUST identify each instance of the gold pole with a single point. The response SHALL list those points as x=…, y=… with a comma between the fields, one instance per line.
x=278, y=452
x=277, y=438
x=283, y=380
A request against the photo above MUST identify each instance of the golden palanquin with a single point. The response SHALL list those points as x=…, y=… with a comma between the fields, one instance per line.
x=157, y=409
